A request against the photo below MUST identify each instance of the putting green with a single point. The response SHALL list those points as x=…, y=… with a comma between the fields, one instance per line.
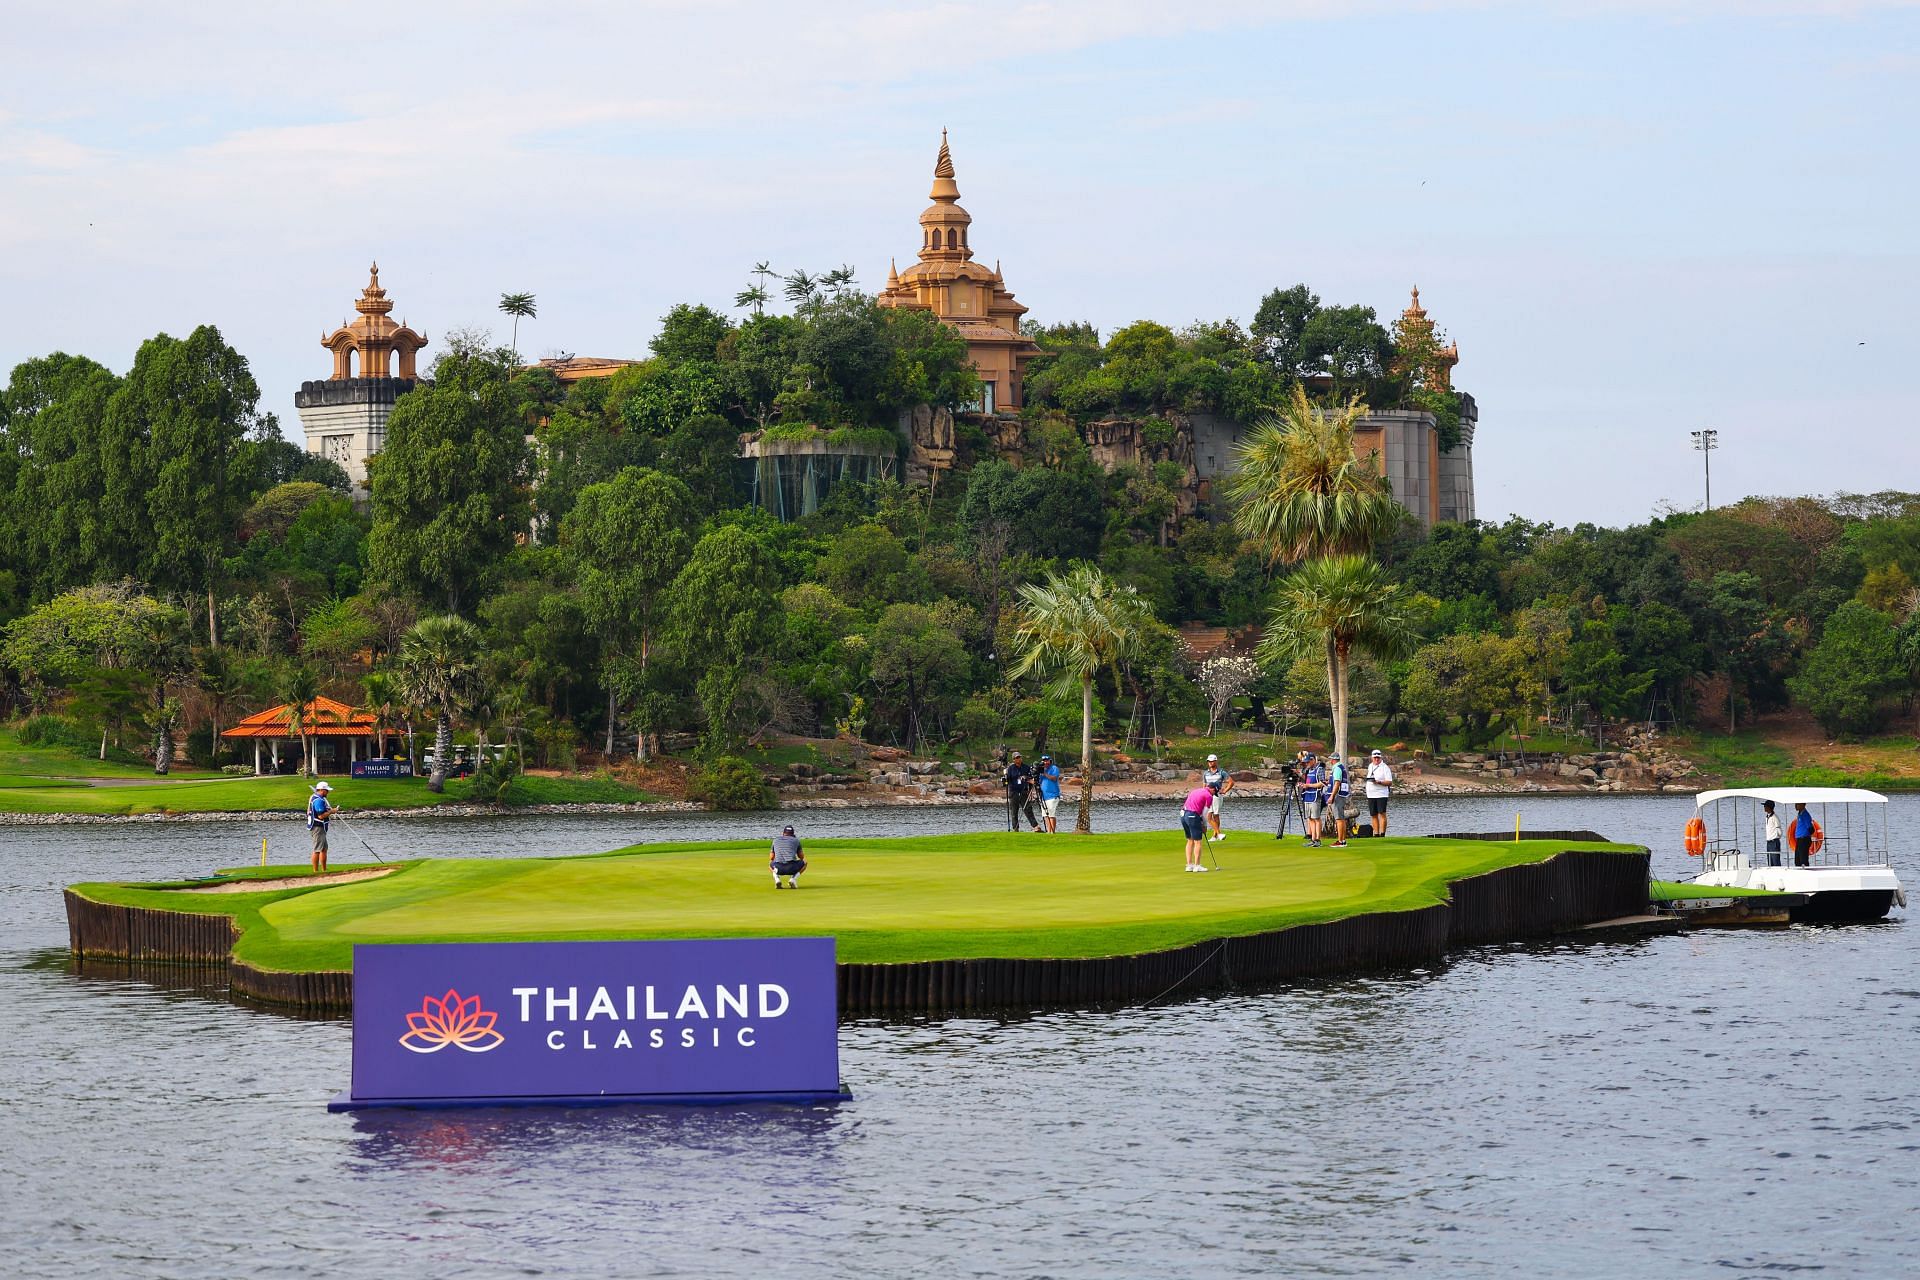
x=920, y=898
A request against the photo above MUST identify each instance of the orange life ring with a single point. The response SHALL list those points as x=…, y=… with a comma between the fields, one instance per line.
x=1817, y=839
x=1697, y=836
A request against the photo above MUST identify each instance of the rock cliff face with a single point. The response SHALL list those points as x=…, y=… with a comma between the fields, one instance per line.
x=1146, y=442
x=930, y=446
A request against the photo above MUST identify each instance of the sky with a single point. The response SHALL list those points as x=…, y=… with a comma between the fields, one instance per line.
x=1636, y=219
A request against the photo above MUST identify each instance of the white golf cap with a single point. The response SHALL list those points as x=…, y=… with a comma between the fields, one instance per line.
x=1376, y=751
x=321, y=786
x=1213, y=757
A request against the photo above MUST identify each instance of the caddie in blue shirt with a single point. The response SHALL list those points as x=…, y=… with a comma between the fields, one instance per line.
x=1312, y=787
x=320, y=811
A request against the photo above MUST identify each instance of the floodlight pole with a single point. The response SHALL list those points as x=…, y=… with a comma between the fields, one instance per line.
x=1706, y=442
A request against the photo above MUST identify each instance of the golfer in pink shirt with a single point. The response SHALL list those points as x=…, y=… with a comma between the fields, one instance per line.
x=1193, y=821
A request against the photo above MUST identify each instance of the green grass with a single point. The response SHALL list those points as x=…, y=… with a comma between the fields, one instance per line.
x=1673, y=891
x=56, y=761
x=1747, y=758
x=27, y=780
x=909, y=899
x=254, y=795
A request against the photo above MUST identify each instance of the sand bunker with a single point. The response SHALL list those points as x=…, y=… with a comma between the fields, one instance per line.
x=288, y=882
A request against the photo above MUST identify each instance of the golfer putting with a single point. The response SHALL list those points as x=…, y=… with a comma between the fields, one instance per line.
x=1193, y=821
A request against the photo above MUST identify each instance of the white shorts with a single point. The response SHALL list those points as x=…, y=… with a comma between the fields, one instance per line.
x=1050, y=807
x=1213, y=805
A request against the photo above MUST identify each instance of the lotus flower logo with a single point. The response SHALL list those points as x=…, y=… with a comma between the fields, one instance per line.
x=449, y=1020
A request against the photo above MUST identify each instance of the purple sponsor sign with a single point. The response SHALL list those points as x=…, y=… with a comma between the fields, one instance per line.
x=519, y=1021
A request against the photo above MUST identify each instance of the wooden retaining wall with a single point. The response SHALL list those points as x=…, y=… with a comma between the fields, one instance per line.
x=1512, y=904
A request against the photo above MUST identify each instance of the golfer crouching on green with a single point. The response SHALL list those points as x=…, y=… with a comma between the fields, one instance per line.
x=788, y=859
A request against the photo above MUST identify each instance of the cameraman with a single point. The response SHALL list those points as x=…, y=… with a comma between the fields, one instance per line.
x=1019, y=780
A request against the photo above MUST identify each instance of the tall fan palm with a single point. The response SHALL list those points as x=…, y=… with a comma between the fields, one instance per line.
x=1300, y=492
x=1072, y=626
x=801, y=287
x=382, y=693
x=519, y=306
x=297, y=686
x=1330, y=608
x=440, y=670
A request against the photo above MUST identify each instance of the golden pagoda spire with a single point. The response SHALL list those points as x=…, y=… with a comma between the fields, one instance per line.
x=373, y=299
x=945, y=189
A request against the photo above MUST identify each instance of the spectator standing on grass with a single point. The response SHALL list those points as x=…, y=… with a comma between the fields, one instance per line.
x=1193, y=821
x=1339, y=787
x=1313, y=783
x=1379, y=788
x=1049, y=776
x=1217, y=781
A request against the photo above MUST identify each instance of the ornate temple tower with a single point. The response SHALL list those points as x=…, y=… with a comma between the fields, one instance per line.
x=962, y=293
x=345, y=416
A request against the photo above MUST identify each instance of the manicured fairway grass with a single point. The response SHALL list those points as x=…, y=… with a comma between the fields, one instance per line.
x=251, y=795
x=54, y=762
x=919, y=898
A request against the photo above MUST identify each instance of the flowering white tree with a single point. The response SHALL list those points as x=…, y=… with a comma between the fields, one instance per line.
x=1222, y=678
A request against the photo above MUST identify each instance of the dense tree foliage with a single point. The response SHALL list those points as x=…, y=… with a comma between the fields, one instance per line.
x=610, y=586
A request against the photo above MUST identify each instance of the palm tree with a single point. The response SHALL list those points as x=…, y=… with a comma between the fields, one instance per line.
x=219, y=681
x=519, y=306
x=439, y=669
x=838, y=280
x=165, y=719
x=297, y=686
x=1072, y=626
x=752, y=296
x=382, y=694
x=1300, y=492
x=802, y=287
x=1331, y=607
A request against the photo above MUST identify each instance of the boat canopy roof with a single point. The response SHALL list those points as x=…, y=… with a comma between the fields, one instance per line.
x=1787, y=797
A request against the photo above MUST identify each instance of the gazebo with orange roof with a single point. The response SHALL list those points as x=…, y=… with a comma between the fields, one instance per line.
x=328, y=722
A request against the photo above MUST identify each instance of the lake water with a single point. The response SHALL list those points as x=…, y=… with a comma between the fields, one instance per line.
x=1688, y=1105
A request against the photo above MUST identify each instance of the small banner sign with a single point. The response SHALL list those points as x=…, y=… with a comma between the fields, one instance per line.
x=377, y=768
x=476, y=1023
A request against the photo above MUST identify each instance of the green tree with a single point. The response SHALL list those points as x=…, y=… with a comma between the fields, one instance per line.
x=450, y=487
x=1484, y=681
x=725, y=618
x=628, y=539
x=55, y=411
x=1073, y=626
x=193, y=403
x=1596, y=673
x=1850, y=677
x=1280, y=327
x=690, y=332
x=1333, y=607
x=918, y=664
x=521, y=306
x=439, y=670
x=1299, y=491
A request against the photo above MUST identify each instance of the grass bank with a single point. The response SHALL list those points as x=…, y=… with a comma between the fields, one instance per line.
x=258, y=795
x=887, y=901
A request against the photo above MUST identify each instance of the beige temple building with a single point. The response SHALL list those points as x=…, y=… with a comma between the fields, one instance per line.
x=345, y=415
x=963, y=293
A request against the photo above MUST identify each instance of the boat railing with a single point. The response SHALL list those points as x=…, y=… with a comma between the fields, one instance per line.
x=1736, y=839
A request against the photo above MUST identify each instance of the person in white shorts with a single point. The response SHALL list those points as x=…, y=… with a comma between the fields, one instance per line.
x=1219, y=782
x=1379, y=788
